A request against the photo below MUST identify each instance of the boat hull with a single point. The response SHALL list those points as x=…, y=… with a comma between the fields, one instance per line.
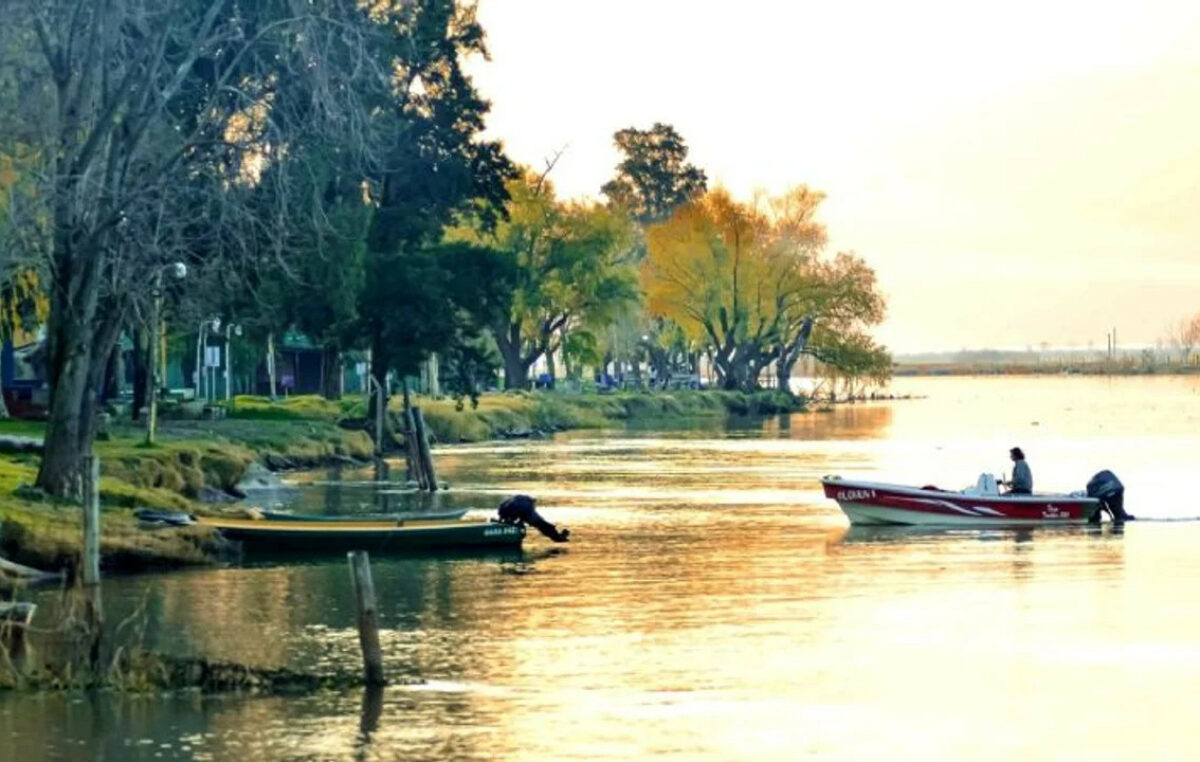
x=872, y=503
x=378, y=537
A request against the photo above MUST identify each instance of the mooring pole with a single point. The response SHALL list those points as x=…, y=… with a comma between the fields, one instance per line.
x=426, y=454
x=93, y=611
x=91, y=520
x=368, y=616
x=412, y=449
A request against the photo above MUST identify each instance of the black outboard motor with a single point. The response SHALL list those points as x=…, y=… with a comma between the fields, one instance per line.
x=1108, y=488
x=521, y=509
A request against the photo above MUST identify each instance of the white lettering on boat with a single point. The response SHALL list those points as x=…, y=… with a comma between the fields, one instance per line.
x=499, y=531
x=1054, y=512
x=856, y=494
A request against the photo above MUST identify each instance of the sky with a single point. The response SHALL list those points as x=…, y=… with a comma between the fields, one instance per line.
x=1015, y=172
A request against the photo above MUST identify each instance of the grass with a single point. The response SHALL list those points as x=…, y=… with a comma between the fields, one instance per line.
x=500, y=414
x=308, y=407
x=505, y=413
x=14, y=427
x=190, y=460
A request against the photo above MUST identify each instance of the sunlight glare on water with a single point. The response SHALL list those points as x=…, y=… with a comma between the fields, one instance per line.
x=714, y=606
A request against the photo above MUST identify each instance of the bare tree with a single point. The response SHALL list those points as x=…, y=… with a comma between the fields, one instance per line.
x=149, y=120
x=1185, y=336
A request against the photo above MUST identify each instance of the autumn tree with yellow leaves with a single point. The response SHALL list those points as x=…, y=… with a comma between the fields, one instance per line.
x=750, y=282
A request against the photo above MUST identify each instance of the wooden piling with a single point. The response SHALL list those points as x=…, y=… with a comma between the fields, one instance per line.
x=426, y=454
x=91, y=520
x=93, y=610
x=412, y=449
x=368, y=616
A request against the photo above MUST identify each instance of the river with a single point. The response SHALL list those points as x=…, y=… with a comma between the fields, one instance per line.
x=714, y=606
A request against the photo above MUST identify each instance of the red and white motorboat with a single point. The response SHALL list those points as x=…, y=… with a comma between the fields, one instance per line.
x=981, y=505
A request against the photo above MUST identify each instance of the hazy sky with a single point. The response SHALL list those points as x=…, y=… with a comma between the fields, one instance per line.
x=1016, y=172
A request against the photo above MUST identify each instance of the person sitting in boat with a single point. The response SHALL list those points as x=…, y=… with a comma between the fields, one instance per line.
x=521, y=509
x=1022, y=478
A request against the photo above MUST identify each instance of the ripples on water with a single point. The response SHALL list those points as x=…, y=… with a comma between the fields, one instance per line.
x=715, y=606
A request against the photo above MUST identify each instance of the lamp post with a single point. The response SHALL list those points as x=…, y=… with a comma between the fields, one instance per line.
x=178, y=270
x=201, y=358
x=236, y=330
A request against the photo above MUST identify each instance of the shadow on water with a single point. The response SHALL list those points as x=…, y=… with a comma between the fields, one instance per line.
x=260, y=559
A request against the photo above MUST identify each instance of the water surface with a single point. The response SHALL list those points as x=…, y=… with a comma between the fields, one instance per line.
x=715, y=606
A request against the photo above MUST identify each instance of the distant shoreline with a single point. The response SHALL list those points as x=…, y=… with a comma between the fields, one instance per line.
x=1042, y=369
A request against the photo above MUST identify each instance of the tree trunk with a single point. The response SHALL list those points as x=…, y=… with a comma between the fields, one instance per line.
x=551, y=370
x=435, y=375
x=68, y=434
x=110, y=385
x=570, y=371
x=331, y=372
x=735, y=372
x=381, y=361
x=783, y=372
x=516, y=372
x=660, y=363
x=273, y=389
x=141, y=374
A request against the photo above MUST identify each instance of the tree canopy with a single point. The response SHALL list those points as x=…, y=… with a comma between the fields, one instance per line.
x=748, y=281
x=573, y=271
x=199, y=131
x=654, y=176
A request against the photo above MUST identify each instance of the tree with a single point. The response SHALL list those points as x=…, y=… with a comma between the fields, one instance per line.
x=153, y=119
x=851, y=359
x=481, y=282
x=1186, y=336
x=572, y=270
x=841, y=296
x=654, y=176
x=749, y=281
x=434, y=167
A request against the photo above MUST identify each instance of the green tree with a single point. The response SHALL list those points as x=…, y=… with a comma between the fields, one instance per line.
x=654, y=176
x=572, y=271
x=434, y=167
x=652, y=179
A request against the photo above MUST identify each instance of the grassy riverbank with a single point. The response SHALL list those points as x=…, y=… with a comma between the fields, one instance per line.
x=517, y=413
x=194, y=463
x=199, y=462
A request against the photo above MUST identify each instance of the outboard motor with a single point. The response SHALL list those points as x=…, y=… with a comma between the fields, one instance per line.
x=1108, y=488
x=521, y=509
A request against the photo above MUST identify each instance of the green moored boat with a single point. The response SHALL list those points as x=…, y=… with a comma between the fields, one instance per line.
x=375, y=536
x=438, y=515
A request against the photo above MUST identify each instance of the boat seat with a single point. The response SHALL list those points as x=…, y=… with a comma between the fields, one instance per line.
x=985, y=485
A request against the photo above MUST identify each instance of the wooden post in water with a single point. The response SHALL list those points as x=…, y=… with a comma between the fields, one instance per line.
x=92, y=609
x=412, y=449
x=368, y=616
x=91, y=520
x=426, y=455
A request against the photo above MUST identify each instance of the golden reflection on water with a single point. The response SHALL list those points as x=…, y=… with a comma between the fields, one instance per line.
x=715, y=606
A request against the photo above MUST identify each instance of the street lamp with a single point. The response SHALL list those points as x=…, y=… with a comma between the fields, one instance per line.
x=237, y=331
x=178, y=271
x=201, y=347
